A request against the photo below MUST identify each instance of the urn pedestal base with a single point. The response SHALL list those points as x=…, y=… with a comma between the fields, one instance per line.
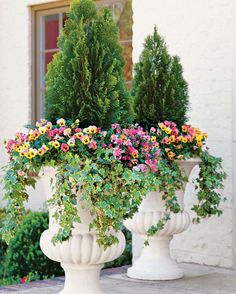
x=155, y=262
x=81, y=279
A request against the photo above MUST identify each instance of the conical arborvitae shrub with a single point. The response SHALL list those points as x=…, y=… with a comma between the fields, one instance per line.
x=159, y=89
x=85, y=79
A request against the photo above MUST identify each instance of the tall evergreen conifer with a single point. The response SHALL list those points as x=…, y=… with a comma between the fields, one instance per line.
x=159, y=89
x=85, y=79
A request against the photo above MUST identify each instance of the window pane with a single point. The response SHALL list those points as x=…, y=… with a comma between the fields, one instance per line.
x=51, y=31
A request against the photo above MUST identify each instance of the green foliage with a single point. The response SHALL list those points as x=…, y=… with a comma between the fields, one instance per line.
x=85, y=79
x=208, y=184
x=171, y=179
x=159, y=89
x=126, y=256
x=24, y=257
x=3, y=245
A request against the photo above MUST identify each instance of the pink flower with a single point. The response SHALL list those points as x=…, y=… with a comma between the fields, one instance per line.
x=61, y=130
x=117, y=152
x=127, y=142
x=93, y=144
x=55, y=132
x=78, y=130
x=140, y=167
x=51, y=133
x=126, y=157
x=64, y=147
x=165, y=140
x=21, y=173
x=167, y=123
x=117, y=128
x=152, y=130
x=152, y=163
x=113, y=138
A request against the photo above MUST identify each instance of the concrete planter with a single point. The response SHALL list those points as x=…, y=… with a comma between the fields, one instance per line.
x=155, y=262
x=80, y=256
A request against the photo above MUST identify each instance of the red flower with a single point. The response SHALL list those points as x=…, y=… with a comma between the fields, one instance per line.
x=23, y=280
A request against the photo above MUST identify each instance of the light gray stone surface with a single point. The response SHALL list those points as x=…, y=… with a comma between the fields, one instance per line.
x=197, y=280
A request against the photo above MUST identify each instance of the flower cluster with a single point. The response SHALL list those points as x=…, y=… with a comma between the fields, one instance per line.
x=179, y=143
x=134, y=147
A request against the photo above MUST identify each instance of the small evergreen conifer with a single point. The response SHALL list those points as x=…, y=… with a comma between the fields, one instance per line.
x=85, y=79
x=159, y=89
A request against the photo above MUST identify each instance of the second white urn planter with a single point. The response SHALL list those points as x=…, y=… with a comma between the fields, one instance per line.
x=80, y=256
x=155, y=262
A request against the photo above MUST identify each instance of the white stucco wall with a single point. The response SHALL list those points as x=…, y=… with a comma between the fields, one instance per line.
x=202, y=33
x=15, y=73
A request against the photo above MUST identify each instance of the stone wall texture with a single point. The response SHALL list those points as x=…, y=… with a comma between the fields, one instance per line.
x=203, y=34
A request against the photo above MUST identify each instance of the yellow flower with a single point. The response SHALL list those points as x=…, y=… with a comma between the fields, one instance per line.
x=205, y=135
x=199, y=143
x=25, y=146
x=56, y=144
x=172, y=138
x=61, y=122
x=86, y=139
x=71, y=143
x=51, y=143
x=168, y=131
x=67, y=132
x=135, y=154
x=93, y=129
x=153, y=139
x=43, y=121
x=184, y=140
x=86, y=130
x=162, y=126
x=45, y=147
x=199, y=137
x=38, y=124
x=78, y=135
x=123, y=138
x=184, y=129
x=27, y=155
x=49, y=126
x=42, y=130
x=40, y=152
x=32, y=152
x=18, y=149
x=171, y=154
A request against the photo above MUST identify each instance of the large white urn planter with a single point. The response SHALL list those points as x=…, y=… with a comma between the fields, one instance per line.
x=80, y=256
x=155, y=262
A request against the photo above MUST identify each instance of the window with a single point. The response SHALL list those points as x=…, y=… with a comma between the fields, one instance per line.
x=48, y=20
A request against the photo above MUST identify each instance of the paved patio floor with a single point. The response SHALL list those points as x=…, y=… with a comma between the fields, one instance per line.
x=198, y=280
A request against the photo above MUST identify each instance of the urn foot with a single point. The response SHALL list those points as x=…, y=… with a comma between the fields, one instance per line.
x=155, y=262
x=83, y=279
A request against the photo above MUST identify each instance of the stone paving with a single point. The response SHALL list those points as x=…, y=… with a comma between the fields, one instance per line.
x=198, y=280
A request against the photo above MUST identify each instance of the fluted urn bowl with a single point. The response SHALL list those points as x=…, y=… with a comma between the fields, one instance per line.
x=81, y=257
